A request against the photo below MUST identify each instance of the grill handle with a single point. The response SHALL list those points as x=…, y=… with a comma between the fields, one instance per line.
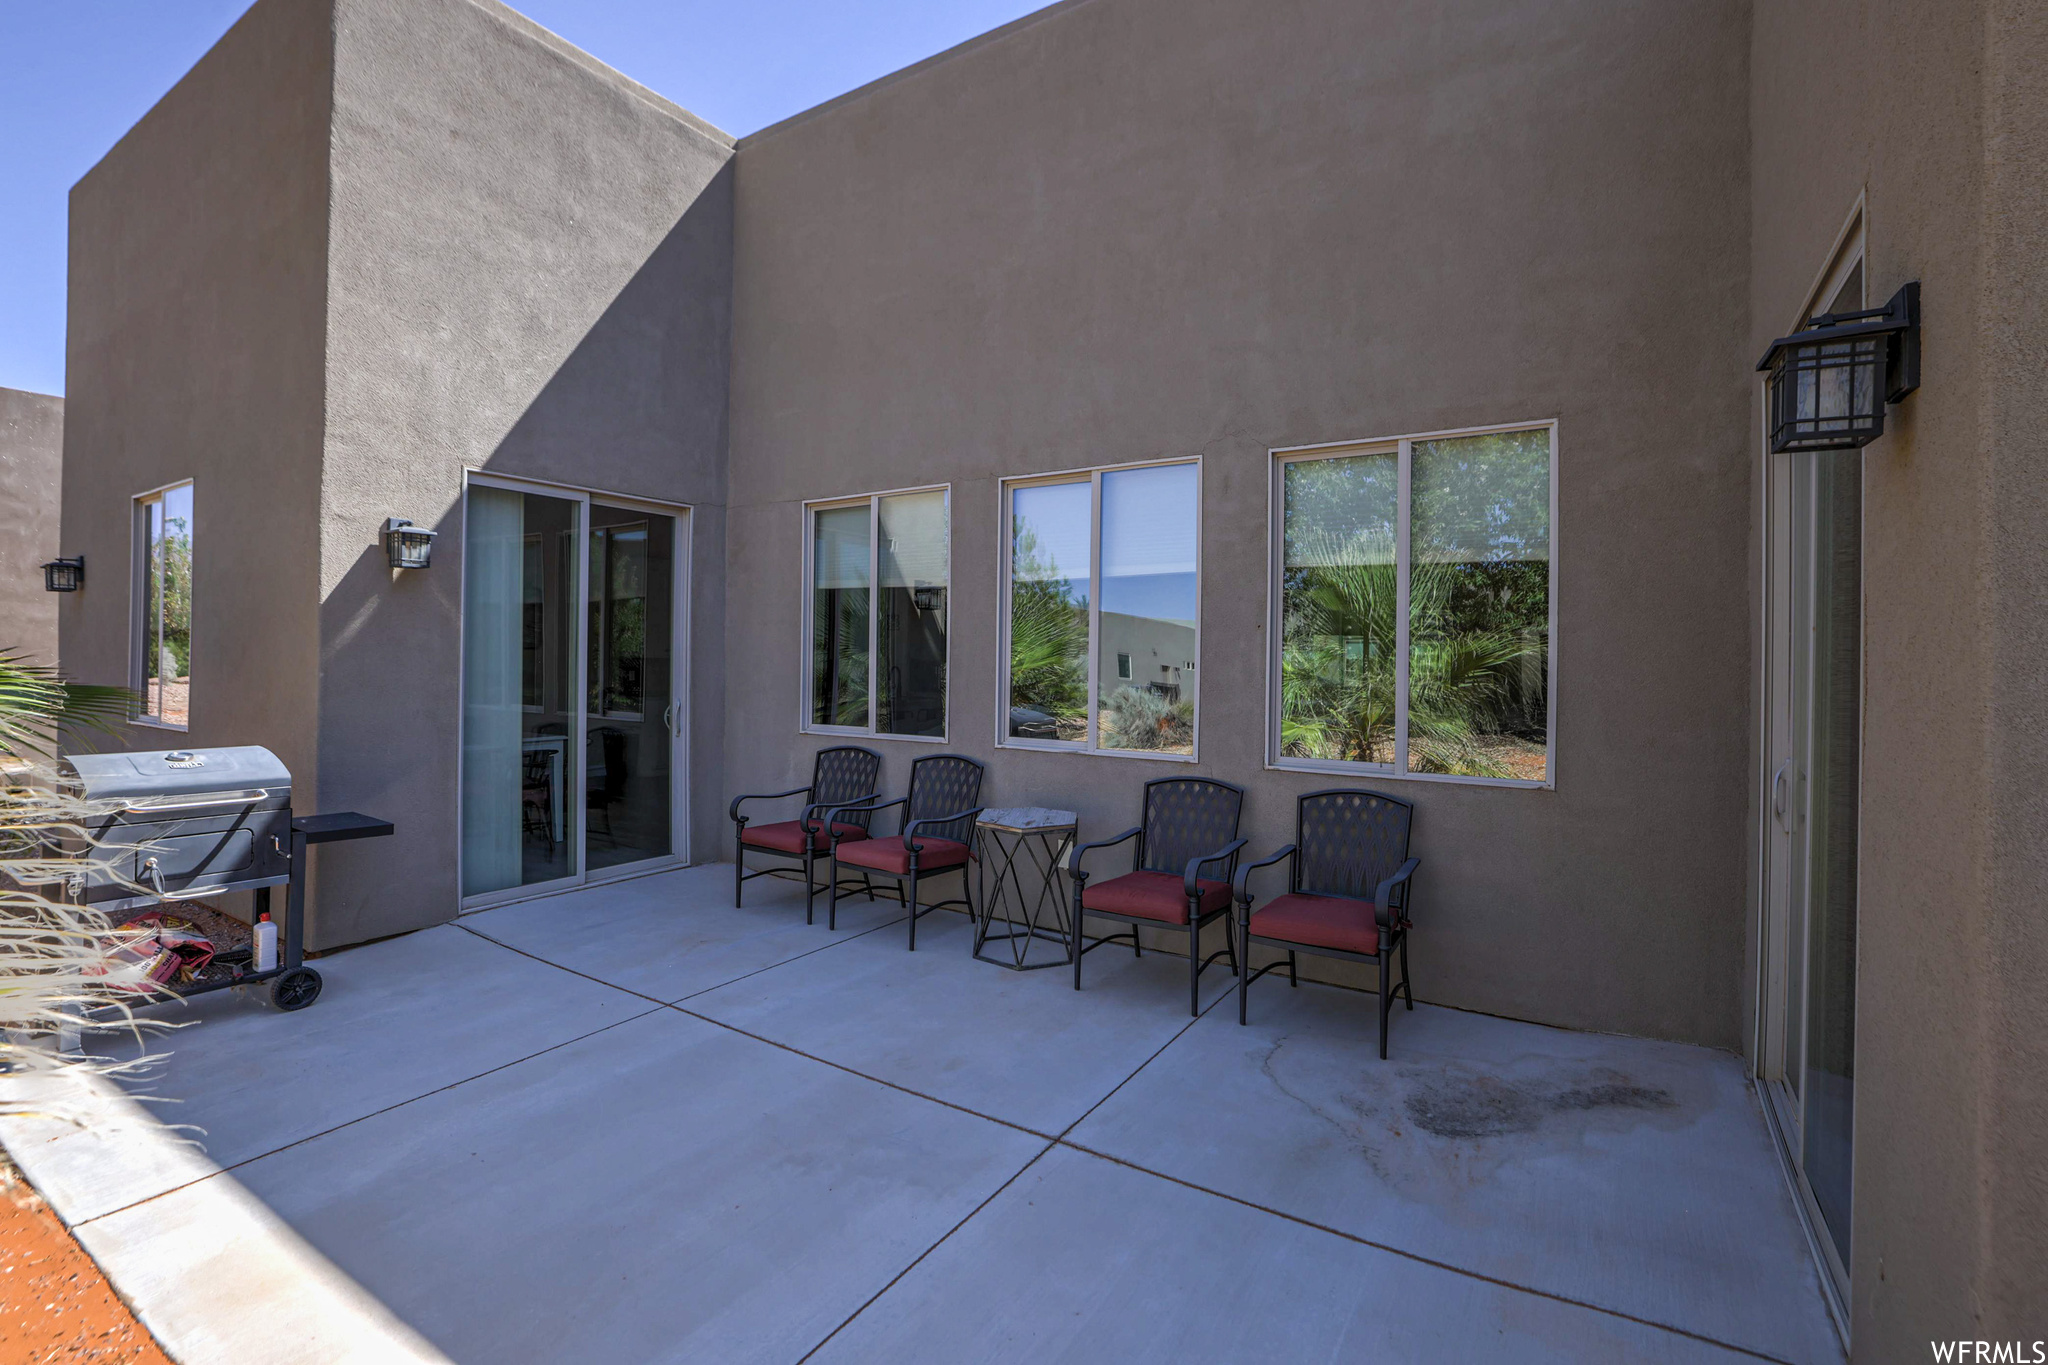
x=156, y=877
x=241, y=798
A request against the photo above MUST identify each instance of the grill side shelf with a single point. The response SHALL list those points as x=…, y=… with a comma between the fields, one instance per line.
x=341, y=825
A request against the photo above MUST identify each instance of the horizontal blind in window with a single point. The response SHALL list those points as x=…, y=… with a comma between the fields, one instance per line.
x=840, y=554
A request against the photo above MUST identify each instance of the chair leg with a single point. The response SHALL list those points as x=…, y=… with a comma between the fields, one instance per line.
x=1074, y=939
x=1137, y=950
x=1292, y=979
x=810, y=881
x=832, y=893
x=867, y=882
x=739, y=869
x=1383, y=1004
x=1243, y=953
x=1407, y=991
x=911, y=897
x=1194, y=968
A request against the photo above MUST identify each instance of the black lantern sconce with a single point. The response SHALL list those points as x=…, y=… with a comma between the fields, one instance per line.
x=926, y=599
x=64, y=575
x=1829, y=383
x=408, y=546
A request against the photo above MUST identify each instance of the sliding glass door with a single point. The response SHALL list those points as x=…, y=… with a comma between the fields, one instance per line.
x=630, y=646
x=571, y=688
x=1812, y=745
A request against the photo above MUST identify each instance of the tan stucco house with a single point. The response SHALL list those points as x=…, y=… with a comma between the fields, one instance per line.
x=1159, y=386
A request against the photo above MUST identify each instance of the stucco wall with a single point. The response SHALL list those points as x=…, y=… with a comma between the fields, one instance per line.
x=1938, y=116
x=1146, y=228
x=196, y=288
x=530, y=275
x=32, y=473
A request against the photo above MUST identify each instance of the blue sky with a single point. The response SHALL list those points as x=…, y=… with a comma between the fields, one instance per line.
x=76, y=74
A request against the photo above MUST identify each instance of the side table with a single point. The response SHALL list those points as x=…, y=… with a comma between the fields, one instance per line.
x=1018, y=880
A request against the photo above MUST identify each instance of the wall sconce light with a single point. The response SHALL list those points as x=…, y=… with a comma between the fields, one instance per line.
x=408, y=546
x=926, y=599
x=1829, y=383
x=64, y=575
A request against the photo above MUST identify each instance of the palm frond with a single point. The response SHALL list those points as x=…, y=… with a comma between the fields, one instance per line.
x=37, y=704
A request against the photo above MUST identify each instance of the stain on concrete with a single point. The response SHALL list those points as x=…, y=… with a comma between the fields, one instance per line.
x=1471, y=1107
x=1453, y=1105
x=1443, y=1130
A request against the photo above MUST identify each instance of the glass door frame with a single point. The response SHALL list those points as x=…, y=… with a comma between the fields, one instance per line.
x=1783, y=915
x=678, y=723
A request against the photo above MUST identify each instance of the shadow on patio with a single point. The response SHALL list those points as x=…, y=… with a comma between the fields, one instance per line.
x=631, y=1123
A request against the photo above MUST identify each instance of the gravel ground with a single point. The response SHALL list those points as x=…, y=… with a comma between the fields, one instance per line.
x=55, y=1306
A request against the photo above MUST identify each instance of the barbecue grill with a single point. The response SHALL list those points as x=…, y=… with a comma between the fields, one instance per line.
x=191, y=823
x=185, y=824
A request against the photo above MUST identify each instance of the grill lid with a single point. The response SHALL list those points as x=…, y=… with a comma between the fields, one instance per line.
x=179, y=772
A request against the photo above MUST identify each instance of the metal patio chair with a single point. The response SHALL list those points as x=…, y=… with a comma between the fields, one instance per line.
x=937, y=835
x=843, y=775
x=1347, y=892
x=1190, y=823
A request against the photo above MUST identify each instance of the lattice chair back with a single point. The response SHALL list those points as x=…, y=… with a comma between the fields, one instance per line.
x=846, y=772
x=939, y=785
x=1350, y=842
x=1186, y=817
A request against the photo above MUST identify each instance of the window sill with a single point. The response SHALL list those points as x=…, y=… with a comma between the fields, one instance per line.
x=150, y=722
x=1384, y=773
x=870, y=734
x=1048, y=747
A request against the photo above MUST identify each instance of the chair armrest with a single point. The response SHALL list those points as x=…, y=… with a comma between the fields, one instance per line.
x=867, y=805
x=1243, y=888
x=734, y=811
x=834, y=807
x=1221, y=855
x=910, y=828
x=1074, y=861
x=1383, y=901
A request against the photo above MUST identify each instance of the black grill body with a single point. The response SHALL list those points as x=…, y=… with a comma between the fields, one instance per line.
x=185, y=823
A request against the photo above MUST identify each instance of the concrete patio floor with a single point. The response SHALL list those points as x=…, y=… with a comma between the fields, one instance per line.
x=632, y=1124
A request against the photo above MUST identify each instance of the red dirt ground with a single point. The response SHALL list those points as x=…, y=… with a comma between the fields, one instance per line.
x=55, y=1306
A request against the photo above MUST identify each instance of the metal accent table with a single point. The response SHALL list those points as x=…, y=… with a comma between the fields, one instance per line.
x=1017, y=878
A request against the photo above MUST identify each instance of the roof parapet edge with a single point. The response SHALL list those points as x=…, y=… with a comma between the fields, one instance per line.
x=960, y=49
x=553, y=41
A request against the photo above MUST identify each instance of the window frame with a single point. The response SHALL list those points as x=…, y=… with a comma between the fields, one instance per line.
x=873, y=502
x=1402, y=446
x=139, y=590
x=1092, y=475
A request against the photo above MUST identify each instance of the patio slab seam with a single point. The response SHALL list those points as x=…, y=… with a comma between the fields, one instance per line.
x=1048, y=1138
x=1432, y=1262
x=691, y=995
x=922, y=1256
x=361, y=1118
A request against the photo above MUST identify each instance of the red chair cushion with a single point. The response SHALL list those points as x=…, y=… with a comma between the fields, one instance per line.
x=889, y=855
x=1153, y=895
x=788, y=836
x=1319, y=921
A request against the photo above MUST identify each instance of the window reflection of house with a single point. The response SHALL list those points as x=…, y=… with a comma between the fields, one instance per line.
x=1152, y=653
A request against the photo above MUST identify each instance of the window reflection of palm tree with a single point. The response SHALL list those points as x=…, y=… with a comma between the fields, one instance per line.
x=1048, y=646
x=1468, y=655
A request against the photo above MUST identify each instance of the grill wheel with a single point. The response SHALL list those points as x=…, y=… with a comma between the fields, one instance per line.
x=296, y=989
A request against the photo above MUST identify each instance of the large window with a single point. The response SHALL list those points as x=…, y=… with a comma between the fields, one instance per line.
x=1102, y=610
x=879, y=570
x=162, y=670
x=1413, y=606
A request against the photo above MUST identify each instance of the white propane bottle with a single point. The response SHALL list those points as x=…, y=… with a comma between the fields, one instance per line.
x=266, y=943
